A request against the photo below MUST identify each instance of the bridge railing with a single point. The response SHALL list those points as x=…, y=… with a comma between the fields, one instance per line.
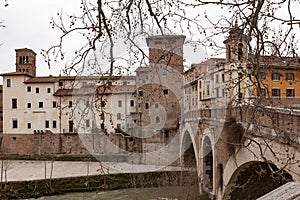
x=281, y=120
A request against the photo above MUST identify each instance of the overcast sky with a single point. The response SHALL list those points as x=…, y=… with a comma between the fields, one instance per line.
x=28, y=26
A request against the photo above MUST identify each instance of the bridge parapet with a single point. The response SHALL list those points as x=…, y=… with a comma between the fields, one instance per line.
x=283, y=122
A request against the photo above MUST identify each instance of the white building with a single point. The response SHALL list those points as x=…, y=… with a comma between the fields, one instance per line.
x=63, y=104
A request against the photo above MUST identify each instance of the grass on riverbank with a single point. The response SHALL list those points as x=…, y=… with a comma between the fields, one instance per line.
x=37, y=188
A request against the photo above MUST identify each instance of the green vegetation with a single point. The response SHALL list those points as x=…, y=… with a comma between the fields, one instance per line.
x=37, y=188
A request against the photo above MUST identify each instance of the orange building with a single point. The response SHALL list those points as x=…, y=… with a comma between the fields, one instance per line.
x=279, y=81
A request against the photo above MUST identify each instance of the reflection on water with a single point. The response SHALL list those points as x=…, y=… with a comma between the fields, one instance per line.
x=163, y=193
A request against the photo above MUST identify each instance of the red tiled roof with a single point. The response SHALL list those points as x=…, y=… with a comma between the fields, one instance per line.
x=15, y=74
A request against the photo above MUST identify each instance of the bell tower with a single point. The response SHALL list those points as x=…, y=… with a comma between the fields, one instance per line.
x=26, y=61
x=236, y=45
x=166, y=50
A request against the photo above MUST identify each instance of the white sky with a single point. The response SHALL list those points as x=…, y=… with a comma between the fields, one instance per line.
x=28, y=26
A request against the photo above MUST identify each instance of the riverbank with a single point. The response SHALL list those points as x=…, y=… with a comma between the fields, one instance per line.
x=38, y=188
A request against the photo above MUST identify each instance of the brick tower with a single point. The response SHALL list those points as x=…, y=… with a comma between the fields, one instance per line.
x=26, y=61
x=167, y=50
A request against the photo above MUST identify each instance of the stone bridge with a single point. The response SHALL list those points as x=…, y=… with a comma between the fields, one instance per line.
x=241, y=152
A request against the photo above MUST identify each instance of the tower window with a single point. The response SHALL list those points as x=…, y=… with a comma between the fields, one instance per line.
x=70, y=104
x=87, y=123
x=29, y=125
x=28, y=88
x=71, y=126
x=157, y=119
x=48, y=90
x=41, y=104
x=8, y=82
x=240, y=51
x=119, y=103
x=37, y=90
x=164, y=72
x=131, y=103
x=28, y=105
x=166, y=91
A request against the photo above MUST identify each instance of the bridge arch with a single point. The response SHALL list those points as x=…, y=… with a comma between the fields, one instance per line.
x=254, y=179
x=188, y=150
x=207, y=162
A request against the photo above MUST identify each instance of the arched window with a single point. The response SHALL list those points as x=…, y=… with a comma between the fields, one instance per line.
x=157, y=119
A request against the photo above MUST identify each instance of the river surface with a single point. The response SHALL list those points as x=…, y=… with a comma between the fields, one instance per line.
x=163, y=193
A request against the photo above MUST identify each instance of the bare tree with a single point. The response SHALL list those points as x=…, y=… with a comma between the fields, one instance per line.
x=268, y=29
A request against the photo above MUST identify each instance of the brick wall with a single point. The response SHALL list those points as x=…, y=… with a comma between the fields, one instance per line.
x=30, y=144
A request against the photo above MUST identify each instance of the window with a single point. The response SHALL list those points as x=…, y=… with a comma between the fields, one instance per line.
x=290, y=92
x=15, y=123
x=70, y=126
x=275, y=92
x=164, y=71
x=131, y=103
x=29, y=125
x=28, y=105
x=166, y=91
x=118, y=115
x=41, y=104
x=207, y=89
x=60, y=83
x=37, y=90
x=157, y=119
x=28, y=88
x=223, y=78
x=118, y=126
x=240, y=51
x=14, y=103
x=48, y=90
x=119, y=103
x=156, y=105
x=54, y=125
x=146, y=105
x=217, y=78
x=8, y=82
x=289, y=76
x=261, y=75
x=87, y=104
x=87, y=123
x=54, y=104
x=70, y=104
x=167, y=135
x=46, y=124
x=275, y=76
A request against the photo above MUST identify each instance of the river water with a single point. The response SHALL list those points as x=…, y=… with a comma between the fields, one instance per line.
x=163, y=193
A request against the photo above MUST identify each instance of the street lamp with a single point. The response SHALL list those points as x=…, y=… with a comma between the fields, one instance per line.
x=240, y=75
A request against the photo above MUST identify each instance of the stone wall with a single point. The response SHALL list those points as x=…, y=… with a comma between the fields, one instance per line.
x=47, y=144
